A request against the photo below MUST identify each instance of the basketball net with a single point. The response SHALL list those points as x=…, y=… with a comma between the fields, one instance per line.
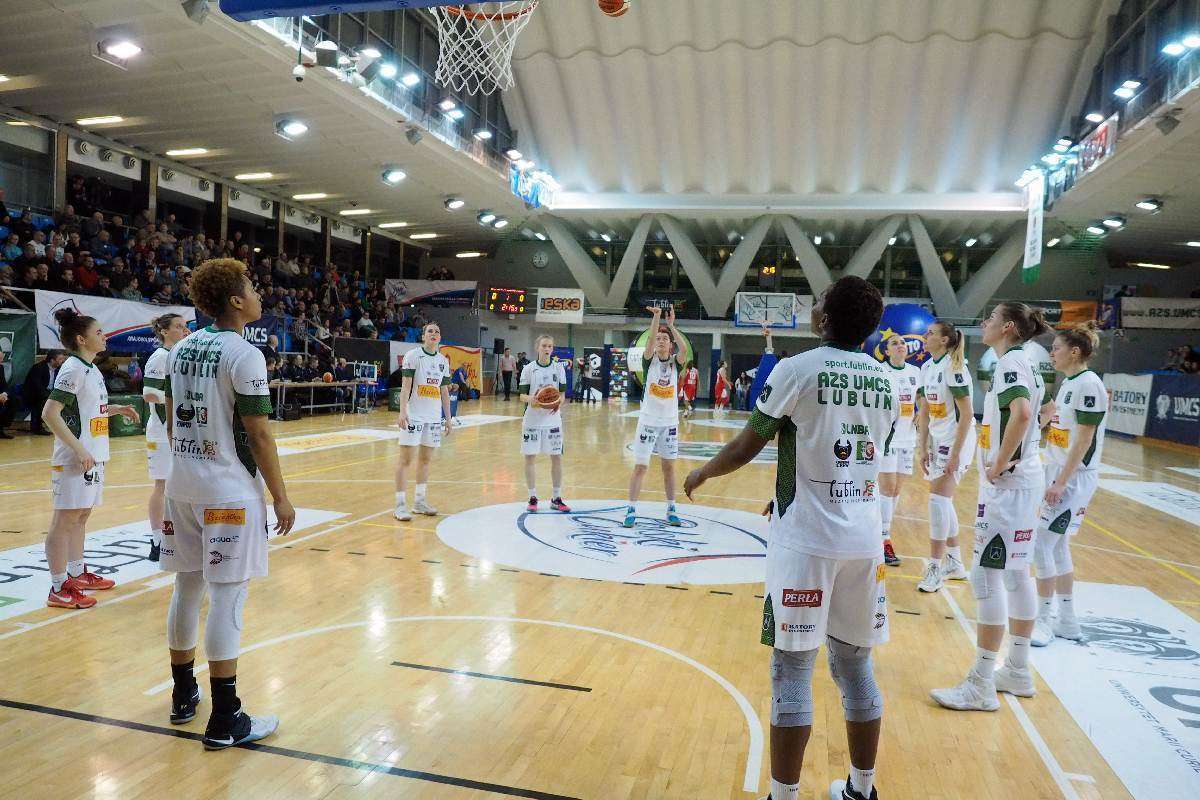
x=476, y=43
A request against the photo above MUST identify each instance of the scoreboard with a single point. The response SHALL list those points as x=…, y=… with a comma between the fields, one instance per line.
x=506, y=301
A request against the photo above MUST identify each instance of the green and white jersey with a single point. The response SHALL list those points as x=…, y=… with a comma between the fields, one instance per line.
x=660, y=397
x=907, y=380
x=1082, y=400
x=1014, y=377
x=940, y=385
x=154, y=391
x=216, y=379
x=832, y=409
x=1039, y=357
x=537, y=376
x=429, y=373
x=79, y=386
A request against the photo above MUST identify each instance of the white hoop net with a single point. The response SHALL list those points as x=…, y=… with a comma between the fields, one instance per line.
x=476, y=43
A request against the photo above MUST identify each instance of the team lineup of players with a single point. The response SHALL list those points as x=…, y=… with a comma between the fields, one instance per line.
x=850, y=430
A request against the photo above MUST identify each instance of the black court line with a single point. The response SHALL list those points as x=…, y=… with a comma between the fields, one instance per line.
x=714, y=591
x=506, y=569
x=678, y=588
x=287, y=752
x=320, y=549
x=505, y=678
x=903, y=611
x=397, y=558
x=354, y=553
x=427, y=561
x=550, y=574
x=631, y=583
x=759, y=597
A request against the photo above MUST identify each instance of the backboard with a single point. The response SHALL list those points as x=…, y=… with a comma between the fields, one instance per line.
x=756, y=309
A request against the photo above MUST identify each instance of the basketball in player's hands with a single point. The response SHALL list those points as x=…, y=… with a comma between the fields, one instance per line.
x=548, y=397
x=327, y=377
x=614, y=8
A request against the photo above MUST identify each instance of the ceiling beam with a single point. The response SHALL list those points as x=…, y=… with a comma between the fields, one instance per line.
x=863, y=203
x=715, y=296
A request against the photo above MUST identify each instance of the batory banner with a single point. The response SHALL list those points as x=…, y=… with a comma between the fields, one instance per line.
x=418, y=291
x=1176, y=313
x=126, y=323
x=560, y=305
x=1129, y=401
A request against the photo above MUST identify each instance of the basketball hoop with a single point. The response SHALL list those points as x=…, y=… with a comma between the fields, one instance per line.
x=476, y=45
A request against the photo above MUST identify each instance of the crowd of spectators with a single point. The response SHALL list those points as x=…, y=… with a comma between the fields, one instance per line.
x=107, y=255
x=1183, y=359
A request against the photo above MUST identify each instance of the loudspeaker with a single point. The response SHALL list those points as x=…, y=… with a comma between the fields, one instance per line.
x=498, y=347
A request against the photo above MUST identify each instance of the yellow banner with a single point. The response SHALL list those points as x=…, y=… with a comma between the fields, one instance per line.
x=470, y=359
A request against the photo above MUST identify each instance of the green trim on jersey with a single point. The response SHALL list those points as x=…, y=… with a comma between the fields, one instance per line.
x=764, y=425
x=1005, y=398
x=154, y=383
x=899, y=368
x=768, y=622
x=167, y=387
x=523, y=388
x=241, y=441
x=1089, y=417
x=408, y=373
x=1077, y=374
x=252, y=405
x=70, y=412
x=1091, y=451
x=446, y=380
x=1005, y=414
x=959, y=391
x=87, y=364
x=785, y=474
x=543, y=366
x=938, y=360
x=426, y=352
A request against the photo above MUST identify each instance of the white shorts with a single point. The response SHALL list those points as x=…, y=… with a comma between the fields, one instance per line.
x=898, y=460
x=1067, y=516
x=1004, y=527
x=809, y=598
x=228, y=541
x=939, y=454
x=158, y=454
x=426, y=434
x=542, y=441
x=71, y=487
x=650, y=439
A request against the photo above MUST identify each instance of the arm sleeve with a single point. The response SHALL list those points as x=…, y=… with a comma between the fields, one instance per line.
x=524, y=379
x=249, y=376
x=562, y=377
x=1090, y=404
x=1007, y=383
x=408, y=367
x=154, y=380
x=959, y=382
x=776, y=401
x=66, y=383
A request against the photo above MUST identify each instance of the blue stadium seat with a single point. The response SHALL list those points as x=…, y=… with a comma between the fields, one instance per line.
x=43, y=222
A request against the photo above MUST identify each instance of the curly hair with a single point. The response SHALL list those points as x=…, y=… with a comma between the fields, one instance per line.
x=215, y=281
x=852, y=309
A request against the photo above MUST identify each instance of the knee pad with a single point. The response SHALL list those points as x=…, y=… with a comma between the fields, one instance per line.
x=938, y=526
x=791, y=688
x=1022, y=596
x=1062, y=557
x=851, y=670
x=990, y=599
x=183, y=615
x=1044, y=549
x=223, y=632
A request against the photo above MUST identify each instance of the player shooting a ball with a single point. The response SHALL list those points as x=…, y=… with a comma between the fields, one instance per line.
x=542, y=385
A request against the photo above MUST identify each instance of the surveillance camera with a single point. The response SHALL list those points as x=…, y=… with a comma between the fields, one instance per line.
x=298, y=72
x=354, y=204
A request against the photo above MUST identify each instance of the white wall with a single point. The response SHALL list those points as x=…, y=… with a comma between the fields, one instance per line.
x=251, y=204
x=296, y=217
x=346, y=232
x=92, y=159
x=185, y=184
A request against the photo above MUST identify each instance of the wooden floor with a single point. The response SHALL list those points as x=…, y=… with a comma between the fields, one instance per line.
x=83, y=711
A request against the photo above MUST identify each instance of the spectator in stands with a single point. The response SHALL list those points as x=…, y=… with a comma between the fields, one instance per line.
x=55, y=248
x=102, y=247
x=5, y=218
x=365, y=326
x=28, y=256
x=522, y=361
x=67, y=221
x=12, y=249
x=131, y=290
x=104, y=288
x=42, y=281
x=8, y=298
x=173, y=227
x=270, y=350
x=36, y=389
x=1191, y=363
x=87, y=274
x=440, y=273
x=26, y=277
x=91, y=227
x=23, y=227
x=7, y=401
x=459, y=379
x=38, y=243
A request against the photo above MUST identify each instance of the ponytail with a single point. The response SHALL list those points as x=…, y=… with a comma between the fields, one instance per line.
x=1085, y=336
x=160, y=324
x=71, y=326
x=1029, y=322
x=957, y=344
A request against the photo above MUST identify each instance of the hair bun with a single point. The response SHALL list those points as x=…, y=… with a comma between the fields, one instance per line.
x=65, y=315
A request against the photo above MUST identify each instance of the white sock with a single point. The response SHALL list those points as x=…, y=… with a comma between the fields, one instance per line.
x=532, y=490
x=863, y=780
x=557, y=493
x=784, y=791
x=1045, y=607
x=420, y=492
x=156, y=536
x=1018, y=652
x=75, y=568
x=954, y=553
x=58, y=579
x=401, y=499
x=1066, y=607
x=887, y=506
x=985, y=662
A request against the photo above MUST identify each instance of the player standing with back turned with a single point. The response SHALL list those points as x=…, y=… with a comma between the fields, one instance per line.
x=832, y=408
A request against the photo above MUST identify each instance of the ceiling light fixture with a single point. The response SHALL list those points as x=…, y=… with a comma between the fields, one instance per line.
x=513, y=154
x=1097, y=230
x=468, y=254
x=500, y=223
x=524, y=164
x=327, y=53
x=1115, y=222
x=447, y=105
x=4, y=79
x=387, y=225
x=817, y=239
x=124, y=49
x=1191, y=41
x=388, y=70
x=1193, y=244
x=483, y=134
x=1150, y=204
x=486, y=217
x=410, y=79
x=541, y=237
x=454, y=203
x=1063, y=145
x=892, y=240
x=1128, y=88
x=423, y=236
x=1095, y=117
x=606, y=237
x=253, y=176
x=1174, y=49
x=370, y=52
x=1052, y=242
x=392, y=175
x=1146, y=265
x=183, y=152
x=970, y=242
x=670, y=256
x=455, y=114
x=290, y=128
x=102, y=120
x=355, y=212
x=310, y=196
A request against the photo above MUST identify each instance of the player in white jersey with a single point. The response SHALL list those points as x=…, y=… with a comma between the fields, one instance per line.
x=1010, y=490
x=542, y=426
x=77, y=414
x=945, y=446
x=896, y=463
x=215, y=526
x=1074, y=442
x=424, y=417
x=832, y=408
x=658, y=420
x=170, y=329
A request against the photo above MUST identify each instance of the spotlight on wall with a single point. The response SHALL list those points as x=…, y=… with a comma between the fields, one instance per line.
x=290, y=128
x=1094, y=117
x=454, y=203
x=413, y=134
x=500, y=223
x=1151, y=204
x=1167, y=123
x=1096, y=229
x=392, y=175
x=1115, y=222
x=486, y=217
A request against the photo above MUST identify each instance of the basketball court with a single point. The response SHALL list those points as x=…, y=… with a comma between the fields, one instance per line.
x=489, y=651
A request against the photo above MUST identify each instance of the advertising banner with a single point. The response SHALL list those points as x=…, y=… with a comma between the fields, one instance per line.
x=1176, y=313
x=258, y=332
x=560, y=305
x=18, y=341
x=1128, y=402
x=1035, y=193
x=126, y=323
x=566, y=355
x=470, y=359
x=1175, y=409
x=436, y=292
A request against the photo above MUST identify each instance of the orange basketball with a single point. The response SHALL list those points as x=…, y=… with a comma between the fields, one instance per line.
x=614, y=8
x=327, y=377
x=548, y=395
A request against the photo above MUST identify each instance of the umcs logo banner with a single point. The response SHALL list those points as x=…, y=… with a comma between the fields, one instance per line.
x=713, y=545
x=1175, y=409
